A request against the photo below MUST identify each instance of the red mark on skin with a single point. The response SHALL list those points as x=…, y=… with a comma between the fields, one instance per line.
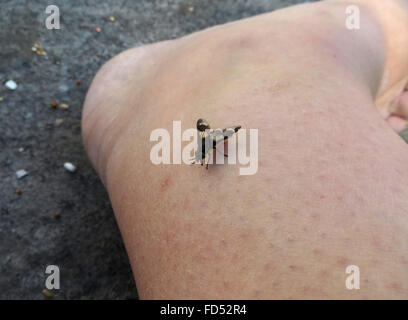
x=316, y=251
x=244, y=236
x=268, y=266
x=291, y=239
x=204, y=205
x=235, y=257
x=165, y=184
x=186, y=203
x=324, y=273
x=342, y=261
x=257, y=294
x=275, y=215
x=226, y=285
x=397, y=287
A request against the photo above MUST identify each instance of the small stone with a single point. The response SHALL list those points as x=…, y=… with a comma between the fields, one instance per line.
x=21, y=149
x=69, y=167
x=64, y=106
x=37, y=48
x=98, y=29
x=58, y=121
x=47, y=293
x=21, y=174
x=112, y=19
x=1, y=99
x=54, y=104
x=19, y=192
x=12, y=85
x=57, y=215
x=78, y=82
x=190, y=9
x=40, y=51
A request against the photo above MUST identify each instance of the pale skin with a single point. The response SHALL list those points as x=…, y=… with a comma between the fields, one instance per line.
x=331, y=188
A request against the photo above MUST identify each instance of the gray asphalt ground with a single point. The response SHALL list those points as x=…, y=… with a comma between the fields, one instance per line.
x=85, y=241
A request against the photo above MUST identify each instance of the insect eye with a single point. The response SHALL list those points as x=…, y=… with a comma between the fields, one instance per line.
x=202, y=125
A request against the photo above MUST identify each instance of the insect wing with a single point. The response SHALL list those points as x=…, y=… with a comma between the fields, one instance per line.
x=223, y=135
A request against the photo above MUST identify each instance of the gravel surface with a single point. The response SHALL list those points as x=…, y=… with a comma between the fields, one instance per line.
x=39, y=136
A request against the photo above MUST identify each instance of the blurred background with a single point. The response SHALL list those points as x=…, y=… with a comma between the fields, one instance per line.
x=51, y=216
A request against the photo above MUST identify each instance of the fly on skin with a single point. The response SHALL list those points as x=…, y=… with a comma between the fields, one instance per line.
x=208, y=140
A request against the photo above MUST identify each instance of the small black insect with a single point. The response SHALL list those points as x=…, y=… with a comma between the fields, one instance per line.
x=209, y=138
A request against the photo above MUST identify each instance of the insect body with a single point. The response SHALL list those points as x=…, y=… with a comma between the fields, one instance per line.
x=209, y=138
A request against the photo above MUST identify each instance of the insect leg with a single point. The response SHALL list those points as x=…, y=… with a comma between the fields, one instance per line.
x=225, y=155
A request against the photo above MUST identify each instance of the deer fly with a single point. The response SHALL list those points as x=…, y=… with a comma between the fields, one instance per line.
x=208, y=140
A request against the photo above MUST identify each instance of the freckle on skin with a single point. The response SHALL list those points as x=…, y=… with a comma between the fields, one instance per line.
x=360, y=199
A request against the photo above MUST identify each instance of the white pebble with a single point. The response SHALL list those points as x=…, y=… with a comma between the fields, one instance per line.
x=12, y=85
x=69, y=166
x=21, y=174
